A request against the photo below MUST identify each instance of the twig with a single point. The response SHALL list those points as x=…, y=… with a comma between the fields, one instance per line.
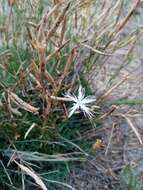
x=95, y=50
x=113, y=88
x=125, y=20
x=57, y=23
x=113, y=108
x=110, y=138
x=133, y=128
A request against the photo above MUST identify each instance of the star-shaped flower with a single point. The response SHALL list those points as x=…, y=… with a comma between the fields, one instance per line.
x=80, y=103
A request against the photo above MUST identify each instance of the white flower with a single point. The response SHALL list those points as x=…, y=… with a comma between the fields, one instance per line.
x=80, y=102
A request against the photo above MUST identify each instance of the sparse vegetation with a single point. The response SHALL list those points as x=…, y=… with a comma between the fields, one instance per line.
x=48, y=50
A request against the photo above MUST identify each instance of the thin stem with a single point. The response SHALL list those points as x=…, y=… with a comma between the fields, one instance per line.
x=60, y=98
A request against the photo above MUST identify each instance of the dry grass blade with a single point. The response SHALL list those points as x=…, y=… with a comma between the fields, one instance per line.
x=123, y=23
x=45, y=19
x=42, y=68
x=35, y=80
x=57, y=23
x=69, y=61
x=113, y=108
x=56, y=51
x=113, y=88
x=110, y=139
x=33, y=175
x=133, y=128
x=134, y=41
x=22, y=104
x=9, y=18
x=28, y=131
x=42, y=60
x=95, y=50
x=50, y=78
x=63, y=31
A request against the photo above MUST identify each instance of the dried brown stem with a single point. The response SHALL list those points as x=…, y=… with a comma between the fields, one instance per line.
x=125, y=20
x=57, y=22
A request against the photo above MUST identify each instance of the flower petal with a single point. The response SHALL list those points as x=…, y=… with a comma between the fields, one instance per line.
x=88, y=100
x=81, y=93
x=71, y=97
x=87, y=111
x=72, y=110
